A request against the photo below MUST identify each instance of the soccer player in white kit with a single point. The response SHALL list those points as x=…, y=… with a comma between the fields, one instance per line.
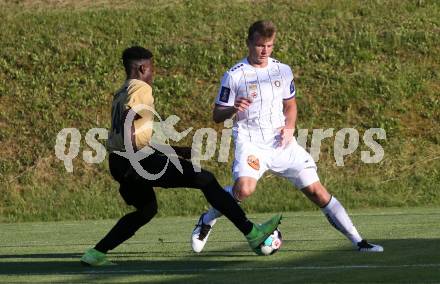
x=260, y=92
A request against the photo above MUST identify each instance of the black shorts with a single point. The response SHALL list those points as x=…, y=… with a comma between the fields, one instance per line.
x=138, y=191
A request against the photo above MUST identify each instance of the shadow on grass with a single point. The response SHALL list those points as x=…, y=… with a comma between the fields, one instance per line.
x=404, y=260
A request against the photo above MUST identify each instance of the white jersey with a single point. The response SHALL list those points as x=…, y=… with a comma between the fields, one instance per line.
x=267, y=87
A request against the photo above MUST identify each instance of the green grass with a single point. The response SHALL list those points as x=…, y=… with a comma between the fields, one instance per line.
x=357, y=64
x=160, y=252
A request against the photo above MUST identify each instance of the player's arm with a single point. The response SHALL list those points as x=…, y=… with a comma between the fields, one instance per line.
x=221, y=113
x=290, y=113
x=289, y=101
x=130, y=129
x=289, y=110
x=227, y=103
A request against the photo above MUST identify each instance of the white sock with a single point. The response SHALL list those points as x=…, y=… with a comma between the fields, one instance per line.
x=338, y=218
x=212, y=214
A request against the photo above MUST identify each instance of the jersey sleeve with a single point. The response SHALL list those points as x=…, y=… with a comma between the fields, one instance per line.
x=289, y=87
x=226, y=93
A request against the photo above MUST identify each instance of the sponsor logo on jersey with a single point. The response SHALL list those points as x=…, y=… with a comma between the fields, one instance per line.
x=261, y=81
x=252, y=87
x=224, y=94
x=253, y=162
x=277, y=83
x=292, y=87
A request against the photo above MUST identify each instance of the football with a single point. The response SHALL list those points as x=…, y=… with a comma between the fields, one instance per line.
x=272, y=244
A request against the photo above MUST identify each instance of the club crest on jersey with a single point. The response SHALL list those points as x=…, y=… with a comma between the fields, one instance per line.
x=277, y=83
x=253, y=162
x=253, y=95
x=224, y=94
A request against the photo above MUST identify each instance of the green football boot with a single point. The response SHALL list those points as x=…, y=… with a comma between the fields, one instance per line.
x=260, y=232
x=92, y=257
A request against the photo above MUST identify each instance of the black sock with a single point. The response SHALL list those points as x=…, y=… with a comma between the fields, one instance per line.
x=226, y=204
x=124, y=229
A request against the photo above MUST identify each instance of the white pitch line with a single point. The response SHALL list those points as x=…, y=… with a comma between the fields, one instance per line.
x=238, y=269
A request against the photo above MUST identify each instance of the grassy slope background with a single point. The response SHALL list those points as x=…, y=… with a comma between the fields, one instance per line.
x=360, y=65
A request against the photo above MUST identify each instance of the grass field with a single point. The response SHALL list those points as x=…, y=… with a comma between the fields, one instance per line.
x=312, y=251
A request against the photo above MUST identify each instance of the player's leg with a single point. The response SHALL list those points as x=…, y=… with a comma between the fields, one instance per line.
x=243, y=188
x=332, y=209
x=215, y=195
x=135, y=192
x=297, y=165
x=337, y=216
x=124, y=229
x=203, y=228
x=205, y=181
x=250, y=163
x=302, y=173
x=209, y=218
x=146, y=208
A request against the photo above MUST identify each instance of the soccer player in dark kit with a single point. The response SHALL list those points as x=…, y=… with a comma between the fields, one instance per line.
x=135, y=100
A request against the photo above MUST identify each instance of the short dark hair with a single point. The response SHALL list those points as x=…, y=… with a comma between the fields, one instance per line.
x=265, y=29
x=133, y=55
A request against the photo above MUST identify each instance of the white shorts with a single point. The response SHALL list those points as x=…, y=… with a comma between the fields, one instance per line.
x=292, y=162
